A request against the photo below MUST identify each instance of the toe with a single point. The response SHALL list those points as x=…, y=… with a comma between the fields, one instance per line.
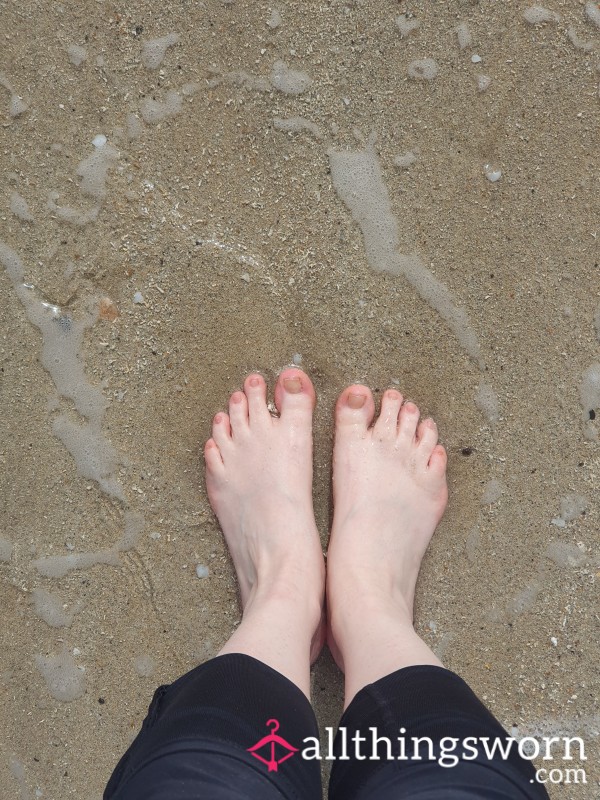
x=386, y=426
x=407, y=425
x=355, y=408
x=212, y=457
x=438, y=460
x=295, y=395
x=427, y=436
x=238, y=413
x=256, y=394
x=221, y=430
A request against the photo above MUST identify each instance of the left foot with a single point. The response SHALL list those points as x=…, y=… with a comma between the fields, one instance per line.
x=259, y=483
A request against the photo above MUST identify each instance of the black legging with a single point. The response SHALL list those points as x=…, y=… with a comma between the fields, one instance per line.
x=197, y=740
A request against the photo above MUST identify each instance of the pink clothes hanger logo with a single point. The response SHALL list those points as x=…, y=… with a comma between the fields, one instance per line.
x=270, y=743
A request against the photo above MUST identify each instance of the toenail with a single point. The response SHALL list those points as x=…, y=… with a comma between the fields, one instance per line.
x=237, y=397
x=254, y=381
x=218, y=418
x=293, y=385
x=356, y=400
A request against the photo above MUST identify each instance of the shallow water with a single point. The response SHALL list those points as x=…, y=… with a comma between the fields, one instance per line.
x=229, y=222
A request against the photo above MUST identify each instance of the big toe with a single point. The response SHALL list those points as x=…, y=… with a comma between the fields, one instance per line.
x=295, y=395
x=354, y=409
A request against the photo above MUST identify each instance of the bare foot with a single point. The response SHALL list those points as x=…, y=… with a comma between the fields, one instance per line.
x=259, y=483
x=390, y=492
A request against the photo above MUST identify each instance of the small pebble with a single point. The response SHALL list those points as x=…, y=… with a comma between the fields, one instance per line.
x=297, y=359
x=138, y=298
x=475, y=59
x=554, y=641
x=202, y=571
x=245, y=276
x=492, y=174
x=99, y=140
x=155, y=535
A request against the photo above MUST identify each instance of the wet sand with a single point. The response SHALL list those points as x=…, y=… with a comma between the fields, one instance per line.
x=246, y=253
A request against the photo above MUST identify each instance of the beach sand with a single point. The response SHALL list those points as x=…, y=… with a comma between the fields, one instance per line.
x=208, y=236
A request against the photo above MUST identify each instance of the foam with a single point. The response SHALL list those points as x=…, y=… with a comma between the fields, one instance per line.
x=49, y=607
x=153, y=111
x=64, y=679
x=424, y=69
x=407, y=160
x=243, y=79
x=93, y=170
x=135, y=126
x=592, y=12
x=538, y=15
x=6, y=550
x=134, y=525
x=19, y=207
x=62, y=340
x=287, y=80
x=79, y=219
x=59, y=566
x=492, y=492
x=472, y=543
x=406, y=24
x=155, y=50
x=274, y=20
x=16, y=105
x=486, y=401
x=565, y=554
x=144, y=666
x=579, y=43
x=95, y=457
x=525, y=599
x=572, y=506
x=483, y=82
x=77, y=55
x=589, y=394
x=18, y=770
x=358, y=181
x=464, y=35
x=297, y=125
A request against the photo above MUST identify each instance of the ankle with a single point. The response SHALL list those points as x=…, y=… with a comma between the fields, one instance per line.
x=367, y=613
x=301, y=606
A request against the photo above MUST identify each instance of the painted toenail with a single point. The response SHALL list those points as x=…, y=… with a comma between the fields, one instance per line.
x=254, y=381
x=356, y=400
x=293, y=385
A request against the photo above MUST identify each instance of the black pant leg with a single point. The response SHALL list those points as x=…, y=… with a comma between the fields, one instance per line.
x=435, y=703
x=195, y=741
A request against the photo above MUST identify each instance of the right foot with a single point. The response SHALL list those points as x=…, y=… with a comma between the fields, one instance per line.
x=389, y=487
x=259, y=482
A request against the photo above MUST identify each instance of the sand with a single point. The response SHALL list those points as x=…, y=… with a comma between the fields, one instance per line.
x=214, y=239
